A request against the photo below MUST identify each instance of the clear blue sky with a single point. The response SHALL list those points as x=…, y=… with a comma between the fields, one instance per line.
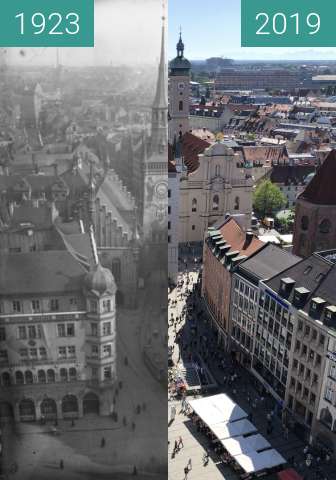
x=212, y=28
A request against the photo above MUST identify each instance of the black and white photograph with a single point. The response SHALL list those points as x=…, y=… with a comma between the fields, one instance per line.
x=83, y=252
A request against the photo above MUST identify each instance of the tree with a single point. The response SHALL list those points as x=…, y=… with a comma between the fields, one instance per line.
x=268, y=199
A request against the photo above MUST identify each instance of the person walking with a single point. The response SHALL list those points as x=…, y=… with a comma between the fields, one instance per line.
x=180, y=443
x=61, y=464
x=186, y=471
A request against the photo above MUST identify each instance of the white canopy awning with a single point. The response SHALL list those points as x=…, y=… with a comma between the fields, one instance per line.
x=216, y=409
x=255, y=462
x=238, y=445
x=235, y=429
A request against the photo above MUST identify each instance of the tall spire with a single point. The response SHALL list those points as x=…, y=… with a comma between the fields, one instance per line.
x=160, y=104
x=180, y=45
x=161, y=100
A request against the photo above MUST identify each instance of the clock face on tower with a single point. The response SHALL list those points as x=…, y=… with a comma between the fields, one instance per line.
x=155, y=208
x=181, y=86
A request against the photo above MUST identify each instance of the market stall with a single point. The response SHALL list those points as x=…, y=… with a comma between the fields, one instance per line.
x=217, y=409
x=253, y=462
x=226, y=430
x=238, y=445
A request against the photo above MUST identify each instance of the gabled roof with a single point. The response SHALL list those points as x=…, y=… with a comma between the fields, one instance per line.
x=192, y=146
x=268, y=261
x=321, y=190
x=235, y=236
x=39, y=273
x=307, y=273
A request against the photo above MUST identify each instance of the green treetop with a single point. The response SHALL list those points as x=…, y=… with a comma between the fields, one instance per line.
x=268, y=199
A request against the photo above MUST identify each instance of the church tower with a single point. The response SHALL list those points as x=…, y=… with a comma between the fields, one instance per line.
x=160, y=104
x=154, y=223
x=179, y=93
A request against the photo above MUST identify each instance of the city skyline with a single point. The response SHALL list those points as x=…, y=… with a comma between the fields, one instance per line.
x=223, y=38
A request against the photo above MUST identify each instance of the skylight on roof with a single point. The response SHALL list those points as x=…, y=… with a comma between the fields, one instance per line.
x=308, y=270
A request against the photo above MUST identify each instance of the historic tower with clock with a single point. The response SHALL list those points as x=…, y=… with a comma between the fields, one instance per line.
x=155, y=171
x=179, y=92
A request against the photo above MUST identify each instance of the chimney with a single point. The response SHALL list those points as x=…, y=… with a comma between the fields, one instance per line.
x=55, y=169
x=248, y=239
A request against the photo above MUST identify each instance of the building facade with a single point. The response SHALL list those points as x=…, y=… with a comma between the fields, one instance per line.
x=219, y=186
x=58, y=337
x=179, y=94
x=263, y=264
x=315, y=215
x=225, y=246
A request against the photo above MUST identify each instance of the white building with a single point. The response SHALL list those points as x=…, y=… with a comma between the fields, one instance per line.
x=218, y=186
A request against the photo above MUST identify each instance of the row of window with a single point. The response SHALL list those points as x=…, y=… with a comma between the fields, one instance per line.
x=106, y=306
x=274, y=366
x=36, y=305
x=311, y=333
x=302, y=391
x=308, y=353
x=106, y=351
x=242, y=338
x=42, y=376
x=242, y=319
x=304, y=372
x=275, y=347
x=40, y=353
x=246, y=290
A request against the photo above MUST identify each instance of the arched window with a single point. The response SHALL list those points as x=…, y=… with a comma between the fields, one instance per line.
x=50, y=376
x=217, y=171
x=194, y=205
x=72, y=374
x=116, y=269
x=69, y=406
x=180, y=105
x=325, y=226
x=19, y=379
x=28, y=376
x=304, y=222
x=215, y=202
x=237, y=203
x=41, y=376
x=63, y=375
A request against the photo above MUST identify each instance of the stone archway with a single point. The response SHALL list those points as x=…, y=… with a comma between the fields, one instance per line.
x=70, y=406
x=91, y=403
x=48, y=409
x=27, y=410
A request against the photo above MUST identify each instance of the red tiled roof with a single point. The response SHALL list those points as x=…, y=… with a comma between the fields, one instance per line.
x=192, y=146
x=321, y=190
x=265, y=154
x=235, y=236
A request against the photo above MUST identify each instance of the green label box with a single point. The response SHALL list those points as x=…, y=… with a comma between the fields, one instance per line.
x=288, y=23
x=47, y=23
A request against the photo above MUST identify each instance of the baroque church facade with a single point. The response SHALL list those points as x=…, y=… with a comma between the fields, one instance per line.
x=214, y=183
